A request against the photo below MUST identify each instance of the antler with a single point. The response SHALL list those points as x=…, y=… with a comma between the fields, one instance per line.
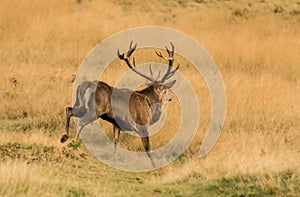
x=170, y=58
x=151, y=73
x=132, y=67
x=169, y=73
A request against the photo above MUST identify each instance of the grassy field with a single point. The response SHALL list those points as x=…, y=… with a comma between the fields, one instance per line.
x=256, y=46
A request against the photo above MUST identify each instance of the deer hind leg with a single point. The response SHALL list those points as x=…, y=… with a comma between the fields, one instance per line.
x=116, y=140
x=86, y=110
x=85, y=120
x=69, y=114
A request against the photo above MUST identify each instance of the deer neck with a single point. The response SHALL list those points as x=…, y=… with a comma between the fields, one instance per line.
x=151, y=100
x=151, y=96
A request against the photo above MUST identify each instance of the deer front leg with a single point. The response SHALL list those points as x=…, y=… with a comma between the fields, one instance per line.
x=116, y=140
x=69, y=114
x=146, y=144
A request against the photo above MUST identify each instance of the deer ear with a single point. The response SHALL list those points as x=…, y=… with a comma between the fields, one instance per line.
x=169, y=84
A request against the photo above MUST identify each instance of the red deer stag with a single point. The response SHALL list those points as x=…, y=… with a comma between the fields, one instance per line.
x=127, y=110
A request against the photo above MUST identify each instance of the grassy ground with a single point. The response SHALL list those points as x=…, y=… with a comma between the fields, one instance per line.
x=256, y=46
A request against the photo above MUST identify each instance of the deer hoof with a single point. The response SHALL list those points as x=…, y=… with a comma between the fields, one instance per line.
x=63, y=138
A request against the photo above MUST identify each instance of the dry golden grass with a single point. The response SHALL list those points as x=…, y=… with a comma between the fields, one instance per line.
x=256, y=46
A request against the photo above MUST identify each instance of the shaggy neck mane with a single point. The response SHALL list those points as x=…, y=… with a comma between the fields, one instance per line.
x=151, y=95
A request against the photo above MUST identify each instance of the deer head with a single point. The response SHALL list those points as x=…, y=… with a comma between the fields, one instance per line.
x=160, y=87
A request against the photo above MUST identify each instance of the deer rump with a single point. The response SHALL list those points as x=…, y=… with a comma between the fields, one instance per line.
x=126, y=109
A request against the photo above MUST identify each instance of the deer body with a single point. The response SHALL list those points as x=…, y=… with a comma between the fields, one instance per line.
x=126, y=109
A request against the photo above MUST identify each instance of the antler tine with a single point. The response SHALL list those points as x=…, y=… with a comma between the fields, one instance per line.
x=172, y=73
x=121, y=56
x=158, y=75
x=151, y=73
x=130, y=45
x=169, y=73
x=170, y=53
x=167, y=50
x=131, y=49
x=173, y=47
x=132, y=66
x=133, y=61
x=150, y=68
x=159, y=54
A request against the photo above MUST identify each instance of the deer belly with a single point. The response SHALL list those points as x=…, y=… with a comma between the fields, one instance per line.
x=124, y=125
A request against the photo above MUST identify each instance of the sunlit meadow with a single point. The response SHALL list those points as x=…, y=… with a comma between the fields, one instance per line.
x=256, y=45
